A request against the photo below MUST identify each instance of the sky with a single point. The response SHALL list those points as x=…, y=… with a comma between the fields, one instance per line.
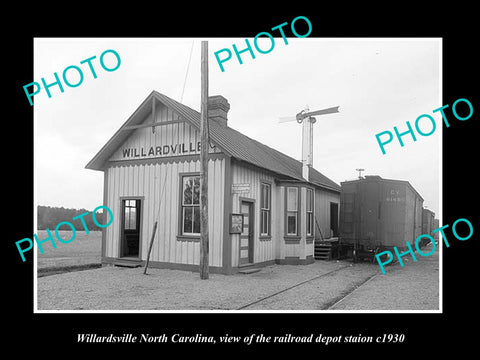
x=377, y=83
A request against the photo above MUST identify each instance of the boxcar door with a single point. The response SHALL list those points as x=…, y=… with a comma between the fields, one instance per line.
x=246, y=237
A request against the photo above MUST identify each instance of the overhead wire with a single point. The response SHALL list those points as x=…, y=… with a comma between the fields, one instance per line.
x=186, y=72
x=157, y=216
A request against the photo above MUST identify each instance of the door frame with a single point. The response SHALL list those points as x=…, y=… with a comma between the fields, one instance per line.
x=251, y=231
x=334, y=218
x=122, y=226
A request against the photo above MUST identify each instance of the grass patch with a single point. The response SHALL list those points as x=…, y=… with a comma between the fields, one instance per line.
x=64, y=269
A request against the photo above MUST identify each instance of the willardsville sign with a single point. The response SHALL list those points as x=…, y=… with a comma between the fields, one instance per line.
x=162, y=150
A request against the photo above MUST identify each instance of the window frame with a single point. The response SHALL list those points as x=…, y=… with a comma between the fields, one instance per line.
x=267, y=211
x=194, y=206
x=132, y=215
x=288, y=211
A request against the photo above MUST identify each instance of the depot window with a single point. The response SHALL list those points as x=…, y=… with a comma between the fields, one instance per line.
x=292, y=211
x=265, y=204
x=190, y=205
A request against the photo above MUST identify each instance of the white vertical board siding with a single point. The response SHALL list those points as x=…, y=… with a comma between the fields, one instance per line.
x=292, y=250
x=304, y=248
x=323, y=199
x=159, y=185
x=279, y=219
x=179, y=139
x=264, y=250
x=112, y=230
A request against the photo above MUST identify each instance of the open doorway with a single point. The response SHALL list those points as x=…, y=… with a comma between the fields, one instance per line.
x=246, y=237
x=130, y=241
x=334, y=219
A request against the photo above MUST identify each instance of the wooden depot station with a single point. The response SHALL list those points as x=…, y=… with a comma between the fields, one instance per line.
x=264, y=208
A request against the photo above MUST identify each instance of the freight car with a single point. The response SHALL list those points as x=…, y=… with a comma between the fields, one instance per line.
x=428, y=225
x=377, y=214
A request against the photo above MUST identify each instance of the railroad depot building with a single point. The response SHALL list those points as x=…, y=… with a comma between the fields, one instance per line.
x=262, y=210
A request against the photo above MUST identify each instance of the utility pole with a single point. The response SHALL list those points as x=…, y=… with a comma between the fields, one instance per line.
x=204, y=163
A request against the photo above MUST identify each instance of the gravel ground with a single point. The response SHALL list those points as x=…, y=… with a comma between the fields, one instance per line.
x=414, y=286
x=117, y=288
x=320, y=293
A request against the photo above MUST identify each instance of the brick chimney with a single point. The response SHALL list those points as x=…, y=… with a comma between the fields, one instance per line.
x=218, y=108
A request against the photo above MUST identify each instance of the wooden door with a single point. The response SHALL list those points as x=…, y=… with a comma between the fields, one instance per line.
x=130, y=240
x=246, y=237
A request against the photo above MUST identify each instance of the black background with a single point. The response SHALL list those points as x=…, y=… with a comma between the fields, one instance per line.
x=455, y=329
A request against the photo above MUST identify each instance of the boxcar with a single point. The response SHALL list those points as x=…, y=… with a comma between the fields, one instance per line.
x=377, y=214
x=436, y=225
x=428, y=225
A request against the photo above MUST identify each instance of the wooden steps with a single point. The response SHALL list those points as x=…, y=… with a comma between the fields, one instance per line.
x=248, y=269
x=326, y=249
x=128, y=262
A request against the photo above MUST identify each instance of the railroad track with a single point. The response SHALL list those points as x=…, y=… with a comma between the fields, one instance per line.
x=330, y=304
x=348, y=293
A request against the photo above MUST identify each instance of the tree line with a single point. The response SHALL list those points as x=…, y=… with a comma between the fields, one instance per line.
x=49, y=217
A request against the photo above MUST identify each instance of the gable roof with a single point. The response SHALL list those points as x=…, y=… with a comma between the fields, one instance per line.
x=232, y=142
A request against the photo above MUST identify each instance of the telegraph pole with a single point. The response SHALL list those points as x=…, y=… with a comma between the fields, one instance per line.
x=204, y=163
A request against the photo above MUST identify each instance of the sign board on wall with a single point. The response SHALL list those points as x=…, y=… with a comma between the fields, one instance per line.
x=240, y=188
x=236, y=223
